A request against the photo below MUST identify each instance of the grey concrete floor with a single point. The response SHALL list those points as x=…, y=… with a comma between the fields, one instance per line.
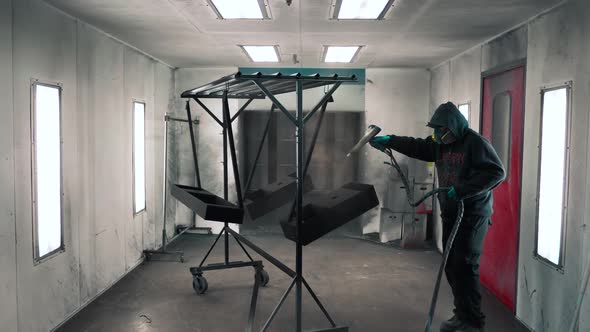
x=367, y=286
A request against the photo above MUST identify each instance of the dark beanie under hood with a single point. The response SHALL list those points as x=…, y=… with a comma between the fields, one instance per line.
x=448, y=115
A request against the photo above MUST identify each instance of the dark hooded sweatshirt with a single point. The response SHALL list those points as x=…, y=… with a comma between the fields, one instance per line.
x=470, y=164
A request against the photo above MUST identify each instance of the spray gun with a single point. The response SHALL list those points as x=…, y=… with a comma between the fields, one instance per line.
x=371, y=132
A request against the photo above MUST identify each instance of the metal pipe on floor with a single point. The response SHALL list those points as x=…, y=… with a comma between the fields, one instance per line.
x=165, y=242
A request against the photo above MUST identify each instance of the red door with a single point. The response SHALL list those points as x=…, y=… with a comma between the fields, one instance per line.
x=502, y=125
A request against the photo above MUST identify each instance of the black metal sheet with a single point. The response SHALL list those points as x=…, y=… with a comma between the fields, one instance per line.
x=272, y=196
x=328, y=211
x=207, y=205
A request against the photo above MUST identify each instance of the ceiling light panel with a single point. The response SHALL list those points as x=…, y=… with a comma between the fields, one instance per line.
x=262, y=53
x=240, y=9
x=341, y=54
x=361, y=9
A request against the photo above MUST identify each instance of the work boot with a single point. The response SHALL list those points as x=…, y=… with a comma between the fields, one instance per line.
x=451, y=325
x=470, y=328
x=456, y=325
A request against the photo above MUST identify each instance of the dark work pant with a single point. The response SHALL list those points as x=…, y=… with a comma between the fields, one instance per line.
x=463, y=267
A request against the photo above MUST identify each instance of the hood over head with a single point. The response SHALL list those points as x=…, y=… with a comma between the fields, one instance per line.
x=448, y=115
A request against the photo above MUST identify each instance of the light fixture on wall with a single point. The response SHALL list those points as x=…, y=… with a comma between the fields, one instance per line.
x=240, y=9
x=340, y=54
x=47, y=187
x=360, y=10
x=464, y=109
x=261, y=53
x=553, y=180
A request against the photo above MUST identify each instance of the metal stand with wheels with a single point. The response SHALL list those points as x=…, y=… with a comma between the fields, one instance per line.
x=259, y=86
x=163, y=252
x=261, y=277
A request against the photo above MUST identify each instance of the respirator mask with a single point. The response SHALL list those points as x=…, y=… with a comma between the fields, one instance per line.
x=443, y=136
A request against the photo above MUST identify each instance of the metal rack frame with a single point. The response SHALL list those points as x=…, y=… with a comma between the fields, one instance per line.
x=261, y=86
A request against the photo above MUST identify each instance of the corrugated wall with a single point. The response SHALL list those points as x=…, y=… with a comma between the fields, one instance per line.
x=103, y=239
x=556, y=49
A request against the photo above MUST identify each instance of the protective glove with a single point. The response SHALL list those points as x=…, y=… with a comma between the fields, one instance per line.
x=452, y=194
x=380, y=142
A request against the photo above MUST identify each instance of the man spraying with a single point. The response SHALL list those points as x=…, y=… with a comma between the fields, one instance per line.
x=468, y=165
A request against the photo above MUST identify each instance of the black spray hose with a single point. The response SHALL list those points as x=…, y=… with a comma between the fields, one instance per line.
x=450, y=241
x=443, y=265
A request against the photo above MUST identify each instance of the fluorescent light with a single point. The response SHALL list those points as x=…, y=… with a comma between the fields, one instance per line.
x=47, y=169
x=361, y=9
x=262, y=53
x=340, y=53
x=552, y=180
x=239, y=9
x=139, y=156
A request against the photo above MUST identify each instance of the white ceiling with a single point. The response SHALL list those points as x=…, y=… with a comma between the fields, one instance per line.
x=415, y=33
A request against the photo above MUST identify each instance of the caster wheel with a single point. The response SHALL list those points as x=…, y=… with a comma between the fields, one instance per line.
x=264, y=278
x=200, y=284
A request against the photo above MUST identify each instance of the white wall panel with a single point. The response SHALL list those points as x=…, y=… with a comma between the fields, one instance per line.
x=504, y=50
x=163, y=102
x=139, y=85
x=100, y=77
x=440, y=86
x=8, y=276
x=557, y=52
x=465, y=82
x=45, y=48
x=103, y=160
x=584, y=314
x=396, y=101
